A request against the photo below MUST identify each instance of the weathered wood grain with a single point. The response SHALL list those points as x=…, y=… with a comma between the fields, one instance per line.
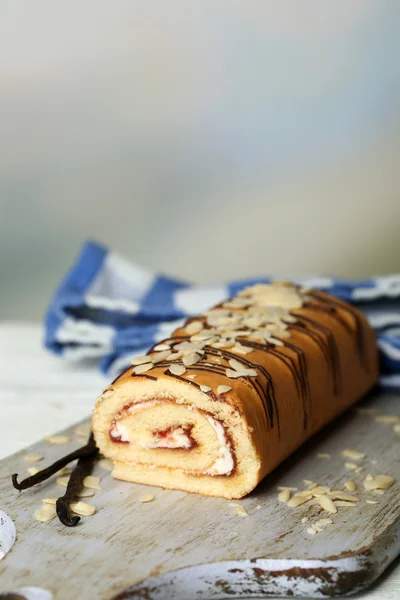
x=188, y=546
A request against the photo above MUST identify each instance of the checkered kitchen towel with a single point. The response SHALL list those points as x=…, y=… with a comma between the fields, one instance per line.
x=110, y=309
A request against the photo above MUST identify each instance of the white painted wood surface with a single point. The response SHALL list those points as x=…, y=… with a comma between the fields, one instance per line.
x=127, y=541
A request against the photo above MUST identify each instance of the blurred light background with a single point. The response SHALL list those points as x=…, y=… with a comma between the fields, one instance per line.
x=209, y=140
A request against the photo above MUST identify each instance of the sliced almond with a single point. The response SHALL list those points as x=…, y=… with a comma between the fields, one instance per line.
x=140, y=360
x=303, y=494
x=191, y=359
x=371, y=502
x=194, y=327
x=323, y=455
x=353, y=454
x=146, y=498
x=177, y=369
x=350, y=485
x=205, y=388
x=162, y=347
x=241, y=349
x=143, y=368
x=351, y=466
x=57, y=439
x=52, y=501
x=298, y=500
x=286, y=487
x=339, y=495
x=222, y=389
x=321, y=489
x=359, y=469
x=63, y=480
x=45, y=513
x=308, y=481
x=387, y=419
x=241, y=511
x=378, y=492
x=193, y=376
x=284, y=496
x=324, y=522
x=312, y=530
x=327, y=504
x=396, y=428
x=304, y=520
x=236, y=365
x=345, y=503
x=33, y=470
x=83, y=508
x=85, y=493
x=33, y=457
x=64, y=471
x=159, y=357
x=313, y=485
x=92, y=482
x=379, y=482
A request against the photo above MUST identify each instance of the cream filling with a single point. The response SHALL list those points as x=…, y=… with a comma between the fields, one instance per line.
x=177, y=438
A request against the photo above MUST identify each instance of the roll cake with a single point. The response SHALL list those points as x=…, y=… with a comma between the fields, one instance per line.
x=216, y=407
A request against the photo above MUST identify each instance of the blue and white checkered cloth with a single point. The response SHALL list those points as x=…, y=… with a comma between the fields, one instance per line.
x=111, y=309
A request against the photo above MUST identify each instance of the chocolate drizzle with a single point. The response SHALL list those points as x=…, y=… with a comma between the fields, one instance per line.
x=361, y=342
x=86, y=456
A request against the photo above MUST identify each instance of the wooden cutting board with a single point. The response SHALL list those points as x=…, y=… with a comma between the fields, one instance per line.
x=188, y=546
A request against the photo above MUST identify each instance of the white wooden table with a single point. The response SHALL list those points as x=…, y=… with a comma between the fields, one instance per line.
x=40, y=393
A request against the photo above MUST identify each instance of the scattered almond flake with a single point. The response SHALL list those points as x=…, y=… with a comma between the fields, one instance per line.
x=323, y=455
x=63, y=480
x=374, y=462
x=284, y=496
x=194, y=327
x=161, y=347
x=286, y=487
x=379, y=482
x=221, y=389
x=321, y=489
x=351, y=466
x=297, y=501
x=49, y=501
x=371, y=502
x=57, y=439
x=396, y=428
x=312, y=486
x=369, y=477
x=83, y=430
x=140, y=360
x=64, y=471
x=174, y=356
x=311, y=530
x=350, y=485
x=302, y=493
x=160, y=356
x=234, y=374
x=236, y=365
x=339, y=495
x=234, y=504
x=33, y=470
x=143, y=368
x=205, y=388
x=92, y=482
x=318, y=528
x=191, y=359
x=106, y=464
x=85, y=493
x=45, y=513
x=83, y=508
x=241, y=511
x=353, y=454
x=258, y=507
x=241, y=349
x=378, y=492
x=308, y=482
x=146, y=498
x=324, y=522
x=327, y=504
x=387, y=419
x=33, y=457
x=304, y=520
x=359, y=469
x=192, y=376
x=177, y=369
x=345, y=503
